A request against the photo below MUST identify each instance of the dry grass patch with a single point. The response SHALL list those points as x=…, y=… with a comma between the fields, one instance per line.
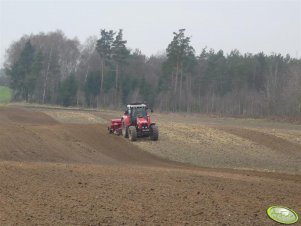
x=75, y=117
x=293, y=136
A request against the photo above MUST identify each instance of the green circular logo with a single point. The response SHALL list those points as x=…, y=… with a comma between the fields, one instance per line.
x=282, y=214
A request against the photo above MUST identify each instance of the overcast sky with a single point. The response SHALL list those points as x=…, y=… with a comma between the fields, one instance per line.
x=249, y=26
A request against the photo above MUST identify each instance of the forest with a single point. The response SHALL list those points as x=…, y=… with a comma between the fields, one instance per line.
x=102, y=72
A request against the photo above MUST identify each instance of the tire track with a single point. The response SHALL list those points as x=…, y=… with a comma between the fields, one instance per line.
x=271, y=141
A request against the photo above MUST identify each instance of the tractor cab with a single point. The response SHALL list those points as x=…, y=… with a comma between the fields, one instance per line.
x=135, y=111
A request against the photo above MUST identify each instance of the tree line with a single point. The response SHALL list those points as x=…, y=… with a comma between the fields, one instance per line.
x=103, y=72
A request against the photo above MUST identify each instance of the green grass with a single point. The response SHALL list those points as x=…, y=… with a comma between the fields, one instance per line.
x=5, y=95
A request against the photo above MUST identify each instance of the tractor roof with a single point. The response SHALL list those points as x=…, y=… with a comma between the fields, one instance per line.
x=136, y=105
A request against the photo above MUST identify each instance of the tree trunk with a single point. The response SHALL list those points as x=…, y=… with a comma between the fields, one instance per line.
x=172, y=79
x=175, y=96
x=199, y=101
x=101, y=84
x=102, y=76
x=87, y=72
x=116, y=78
x=116, y=85
x=212, y=101
x=46, y=76
x=176, y=79
x=181, y=82
x=188, y=98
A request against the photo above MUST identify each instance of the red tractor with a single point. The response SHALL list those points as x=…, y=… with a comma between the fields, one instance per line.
x=136, y=122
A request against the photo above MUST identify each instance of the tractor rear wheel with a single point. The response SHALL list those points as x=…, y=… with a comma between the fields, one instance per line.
x=154, y=132
x=132, y=133
x=124, y=130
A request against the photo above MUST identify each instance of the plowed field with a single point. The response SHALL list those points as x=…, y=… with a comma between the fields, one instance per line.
x=54, y=172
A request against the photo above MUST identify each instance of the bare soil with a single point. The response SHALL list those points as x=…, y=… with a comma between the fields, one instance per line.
x=253, y=144
x=75, y=173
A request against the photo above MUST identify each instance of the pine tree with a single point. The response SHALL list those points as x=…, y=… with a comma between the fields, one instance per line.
x=68, y=90
x=104, y=49
x=119, y=54
x=179, y=54
x=91, y=87
x=20, y=71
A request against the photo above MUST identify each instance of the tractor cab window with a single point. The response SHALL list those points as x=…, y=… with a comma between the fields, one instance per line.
x=139, y=112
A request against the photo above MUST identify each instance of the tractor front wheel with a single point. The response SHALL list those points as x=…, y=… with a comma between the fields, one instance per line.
x=154, y=132
x=124, y=131
x=132, y=133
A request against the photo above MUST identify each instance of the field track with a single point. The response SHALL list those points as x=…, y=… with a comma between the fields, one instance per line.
x=268, y=140
x=35, y=136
